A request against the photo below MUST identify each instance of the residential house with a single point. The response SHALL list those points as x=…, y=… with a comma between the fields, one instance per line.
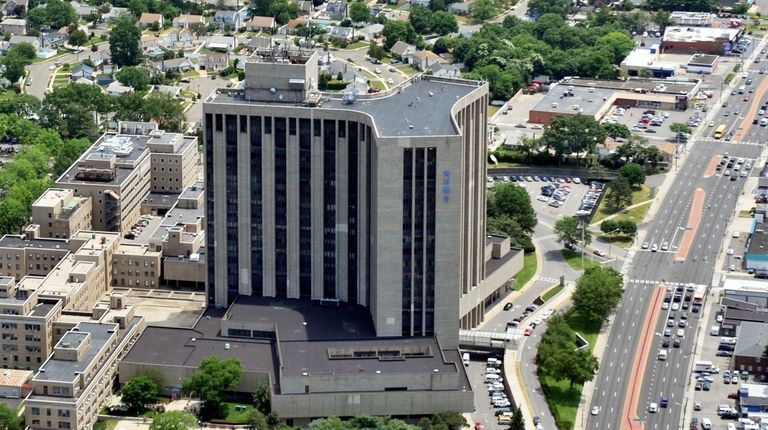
x=359, y=85
x=370, y=32
x=14, y=26
x=179, y=40
x=225, y=4
x=444, y=70
x=116, y=89
x=83, y=10
x=305, y=7
x=337, y=9
x=259, y=43
x=293, y=25
x=184, y=21
x=348, y=72
x=228, y=19
x=171, y=90
x=460, y=8
x=421, y=3
x=214, y=61
x=346, y=34
x=224, y=43
x=115, y=13
x=150, y=19
x=176, y=64
x=402, y=50
x=52, y=39
x=34, y=41
x=15, y=7
x=86, y=81
x=260, y=23
x=4, y=47
x=82, y=71
x=423, y=59
x=104, y=79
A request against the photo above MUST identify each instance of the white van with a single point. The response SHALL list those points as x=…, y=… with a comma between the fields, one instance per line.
x=706, y=424
x=465, y=359
x=492, y=377
x=663, y=354
x=715, y=330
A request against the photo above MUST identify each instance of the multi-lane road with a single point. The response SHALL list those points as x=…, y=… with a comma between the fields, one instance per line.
x=692, y=220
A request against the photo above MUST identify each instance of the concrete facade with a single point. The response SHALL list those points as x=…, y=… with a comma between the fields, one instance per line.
x=29, y=254
x=345, y=238
x=136, y=266
x=59, y=213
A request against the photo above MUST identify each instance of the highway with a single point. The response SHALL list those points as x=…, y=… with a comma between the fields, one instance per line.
x=694, y=245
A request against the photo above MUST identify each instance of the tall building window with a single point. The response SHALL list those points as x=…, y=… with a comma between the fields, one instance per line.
x=329, y=209
x=429, y=261
x=209, y=217
x=281, y=209
x=305, y=208
x=407, y=314
x=352, y=145
x=418, y=242
x=233, y=265
x=257, y=236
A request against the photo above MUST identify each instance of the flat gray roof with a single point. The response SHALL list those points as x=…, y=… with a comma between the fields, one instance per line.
x=752, y=338
x=652, y=85
x=124, y=164
x=494, y=263
x=582, y=101
x=16, y=241
x=193, y=191
x=68, y=371
x=410, y=112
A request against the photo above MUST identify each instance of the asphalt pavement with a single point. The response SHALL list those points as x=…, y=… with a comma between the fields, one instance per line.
x=670, y=225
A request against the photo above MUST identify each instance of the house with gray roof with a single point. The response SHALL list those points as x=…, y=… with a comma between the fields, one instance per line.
x=34, y=41
x=402, y=50
x=15, y=7
x=228, y=18
x=749, y=352
x=346, y=34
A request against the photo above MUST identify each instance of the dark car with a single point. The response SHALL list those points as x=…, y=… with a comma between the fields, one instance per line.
x=676, y=343
x=707, y=386
x=508, y=306
x=665, y=343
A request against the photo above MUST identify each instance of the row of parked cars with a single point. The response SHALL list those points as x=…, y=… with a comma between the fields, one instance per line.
x=591, y=199
x=520, y=178
x=494, y=383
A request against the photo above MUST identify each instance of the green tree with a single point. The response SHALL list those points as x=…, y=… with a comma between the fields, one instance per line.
x=537, y=8
x=571, y=230
x=10, y=419
x=77, y=37
x=443, y=421
x=505, y=225
x=322, y=80
x=282, y=10
x=13, y=67
x=663, y=19
x=24, y=50
x=376, y=51
x=509, y=199
x=398, y=30
x=22, y=104
x=615, y=131
x=443, y=23
x=421, y=19
x=627, y=227
x=634, y=173
x=213, y=376
x=173, y=420
x=138, y=392
x=568, y=134
x=55, y=15
x=597, y=292
x=483, y=10
x=582, y=366
x=124, y=45
x=262, y=399
x=256, y=420
x=70, y=109
x=359, y=12
x=608, y=226
x=440, y=46
x=69, y=152
x=518, y=422
x=679, y=127
x=619, y=193
x=134, y=76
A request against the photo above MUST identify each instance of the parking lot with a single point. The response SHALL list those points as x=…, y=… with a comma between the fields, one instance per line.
x=659, y=131
x=484, y=410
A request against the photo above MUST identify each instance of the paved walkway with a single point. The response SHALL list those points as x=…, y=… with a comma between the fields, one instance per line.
x=622, y=212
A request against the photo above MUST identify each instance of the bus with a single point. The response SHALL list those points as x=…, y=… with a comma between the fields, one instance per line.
x=720, y=131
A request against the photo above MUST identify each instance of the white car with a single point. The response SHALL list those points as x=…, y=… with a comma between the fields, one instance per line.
x=391, y=81
x=730, y=251
x=711, y=123
x=665, y=305
x=680, y=332
x=653, y=408
x=595, y=410
x=675, y=306
x=542, y=198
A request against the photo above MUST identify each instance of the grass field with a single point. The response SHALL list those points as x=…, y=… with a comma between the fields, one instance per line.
x=356, y=45
x=573, y=259
x=233, y=416
x=408, y=70
x=493, y=109
x=526, y=273
x=563, y=399
x=643, y=194
x=552, y=292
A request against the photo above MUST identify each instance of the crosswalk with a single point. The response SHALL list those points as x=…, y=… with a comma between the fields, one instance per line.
x=554, y=281
x=655, y=282
x=732, y=142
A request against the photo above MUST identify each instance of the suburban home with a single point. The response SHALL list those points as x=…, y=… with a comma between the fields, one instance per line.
x=444, y=70
x=293, y=25
x=347, y=34
x=402, y=50
x=305, y=7
x=85, y=81
x=171, y=90
x=116, y=89
x=370, y=32
x=15, y=7
x=228, y=18
x=181, y=40
x=422, y=3
x=4, y=47
x=115, y=13
x=259, y=43
x=104, y=79
x=460, y=8
x=423, y=59
x=149, y=19
x=52, y=39
x=337, y=9
x=181, y=65
x=224, y=43
x=214, y=61
x=14, y=26
x=260, y=23
x=184, y=21
x=83, y=10
x=82, y=71
x=34, y=41
x=348, y=72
